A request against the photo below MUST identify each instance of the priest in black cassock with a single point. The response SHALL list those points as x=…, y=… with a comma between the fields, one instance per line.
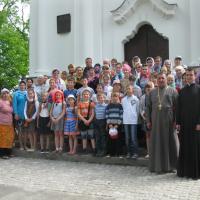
x=188, y=123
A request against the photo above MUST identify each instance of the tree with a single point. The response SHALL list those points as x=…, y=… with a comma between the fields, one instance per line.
x=14, y=42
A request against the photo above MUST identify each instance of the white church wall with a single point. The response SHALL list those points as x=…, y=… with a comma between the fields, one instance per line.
x=50, y=49
x=173, y=28
x=95, y=33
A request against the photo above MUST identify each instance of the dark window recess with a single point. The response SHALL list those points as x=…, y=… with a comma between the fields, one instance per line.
x=64, y=23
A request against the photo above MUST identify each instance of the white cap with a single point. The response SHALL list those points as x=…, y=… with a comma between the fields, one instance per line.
x=71, y=96
x=4, y=90
x=178, y=57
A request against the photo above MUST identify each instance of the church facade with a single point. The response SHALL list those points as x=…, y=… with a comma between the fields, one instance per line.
x=117, y=29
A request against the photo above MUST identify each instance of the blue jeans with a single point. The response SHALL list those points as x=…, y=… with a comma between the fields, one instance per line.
x=131, y=138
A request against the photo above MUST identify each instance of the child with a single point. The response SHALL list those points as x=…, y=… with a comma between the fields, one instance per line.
x=137, y=90
x=43, y=123
x=30, y=113
x=99, y=91
x=71, y=124
x=56, y=115
x=117, y=87
x=114, y=113
x=130, y=104
x=148, y=87
x=125, y=81
x=100, y=125
x=52, y=89
x=86, y=115
x=70, y=88
x=83, y=88
x=107, y=88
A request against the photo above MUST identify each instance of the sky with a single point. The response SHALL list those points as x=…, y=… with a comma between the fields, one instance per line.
x=26, y=9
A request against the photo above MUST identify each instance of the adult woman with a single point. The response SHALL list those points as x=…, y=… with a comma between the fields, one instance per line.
x=78, y=77
x=19, y=99
x=60, y=84
x=6, y=124
x=92, y=79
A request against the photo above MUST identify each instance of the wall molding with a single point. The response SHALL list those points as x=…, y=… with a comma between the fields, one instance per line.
x=129, y=7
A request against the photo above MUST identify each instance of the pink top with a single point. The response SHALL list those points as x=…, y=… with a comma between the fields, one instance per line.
x=5, y=112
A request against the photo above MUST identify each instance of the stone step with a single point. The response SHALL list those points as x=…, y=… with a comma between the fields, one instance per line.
x=140, y=162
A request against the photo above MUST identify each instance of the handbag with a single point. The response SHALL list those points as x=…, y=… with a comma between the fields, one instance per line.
x=113, y=133
x=81, y=125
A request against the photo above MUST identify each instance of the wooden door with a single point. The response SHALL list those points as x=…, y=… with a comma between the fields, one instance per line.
x=147, y=42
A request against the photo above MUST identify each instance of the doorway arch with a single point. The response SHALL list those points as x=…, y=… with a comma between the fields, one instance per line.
x=147, y=42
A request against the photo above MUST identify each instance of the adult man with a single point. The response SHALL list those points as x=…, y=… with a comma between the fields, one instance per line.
x=88, y=65
x=160, y=119
x=40, y=87
x=188, y=122
x=158, y=64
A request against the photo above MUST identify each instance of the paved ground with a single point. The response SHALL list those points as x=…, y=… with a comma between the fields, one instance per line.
x=32, y=179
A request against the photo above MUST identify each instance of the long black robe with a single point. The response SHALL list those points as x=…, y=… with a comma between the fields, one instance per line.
x=188, y=116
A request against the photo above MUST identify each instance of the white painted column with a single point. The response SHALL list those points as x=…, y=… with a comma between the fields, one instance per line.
x=97, y=31
x=194, y=32
x=33, y=55
x=42, y=67
x=85, y=30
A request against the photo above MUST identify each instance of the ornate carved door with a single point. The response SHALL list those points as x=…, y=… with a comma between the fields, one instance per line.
x=147, y=42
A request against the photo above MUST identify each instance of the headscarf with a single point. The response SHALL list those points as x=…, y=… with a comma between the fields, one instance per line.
x=126, y=67
x=58, y=100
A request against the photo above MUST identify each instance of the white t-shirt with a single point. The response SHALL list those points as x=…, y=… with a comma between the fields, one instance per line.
x=130, y=109
x=44, y=110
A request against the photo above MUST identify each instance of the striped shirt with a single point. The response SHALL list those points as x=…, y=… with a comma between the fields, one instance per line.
x=114, y=113
x=100, y=111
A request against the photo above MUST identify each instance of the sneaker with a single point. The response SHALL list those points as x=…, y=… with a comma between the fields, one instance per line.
x=42, y=151
x=128, y=155
x=135, y=156
x=147, y=156
x=21, y=149
x=31, y=150
x=5, y=157
x=47, y=151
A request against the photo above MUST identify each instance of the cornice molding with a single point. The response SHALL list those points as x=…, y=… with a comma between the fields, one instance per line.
x=129, y=7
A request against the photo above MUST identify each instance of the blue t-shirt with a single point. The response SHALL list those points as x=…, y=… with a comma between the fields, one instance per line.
x=67, y=92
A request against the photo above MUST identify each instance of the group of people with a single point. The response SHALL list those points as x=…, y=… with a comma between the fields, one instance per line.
x=105, y=104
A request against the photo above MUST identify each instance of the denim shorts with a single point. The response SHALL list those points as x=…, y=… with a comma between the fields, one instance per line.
x=88, y=134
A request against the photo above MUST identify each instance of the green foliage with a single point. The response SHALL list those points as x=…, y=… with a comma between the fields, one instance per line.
x=14, y=44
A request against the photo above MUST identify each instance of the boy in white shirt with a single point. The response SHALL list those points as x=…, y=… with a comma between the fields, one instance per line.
x=130, y=104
